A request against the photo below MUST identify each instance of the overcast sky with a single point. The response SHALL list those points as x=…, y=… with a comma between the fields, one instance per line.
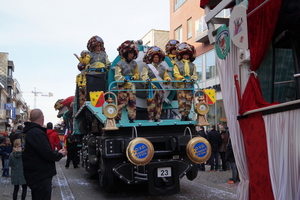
x=41, y=37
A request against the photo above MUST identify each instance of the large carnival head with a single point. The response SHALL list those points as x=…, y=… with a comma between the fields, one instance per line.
x=186, y=49
x=94, y=43
x=152, y=52
x=127, y=47
x=171, y=45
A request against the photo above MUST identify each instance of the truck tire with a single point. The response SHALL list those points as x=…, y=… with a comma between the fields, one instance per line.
x=106, y=177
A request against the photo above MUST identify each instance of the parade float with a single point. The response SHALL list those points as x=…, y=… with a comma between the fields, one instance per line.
x=157, y=153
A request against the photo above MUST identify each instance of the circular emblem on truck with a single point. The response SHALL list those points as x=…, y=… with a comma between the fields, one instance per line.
x=110, y=110
x=198, y=150
x=202, y=108
x=140, y=151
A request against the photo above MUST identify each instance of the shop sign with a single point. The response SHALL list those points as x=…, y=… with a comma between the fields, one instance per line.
x=8, y=106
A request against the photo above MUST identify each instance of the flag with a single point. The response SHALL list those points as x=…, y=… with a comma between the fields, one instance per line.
x=97, y=98
x=210, y=95
x=67, y=132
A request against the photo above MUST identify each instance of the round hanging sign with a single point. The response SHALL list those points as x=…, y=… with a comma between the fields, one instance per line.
x=222, y=44
x=238, y=25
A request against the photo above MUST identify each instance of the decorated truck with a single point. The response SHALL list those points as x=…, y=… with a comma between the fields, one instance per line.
x=258, y=64
x=157, y=153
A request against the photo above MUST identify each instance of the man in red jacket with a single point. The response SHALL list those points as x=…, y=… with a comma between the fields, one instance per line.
x=53, y=137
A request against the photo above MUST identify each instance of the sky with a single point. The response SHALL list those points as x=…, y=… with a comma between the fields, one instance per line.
x=41, y=37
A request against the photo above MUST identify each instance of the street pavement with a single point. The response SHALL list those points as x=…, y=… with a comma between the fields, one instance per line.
x=63, y=184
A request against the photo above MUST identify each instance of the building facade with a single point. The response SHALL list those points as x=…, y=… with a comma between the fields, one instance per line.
x=187, y=25
x=156, y=38
x=13, y=108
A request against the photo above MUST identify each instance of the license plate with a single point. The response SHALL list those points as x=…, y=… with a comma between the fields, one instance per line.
x=164, y=172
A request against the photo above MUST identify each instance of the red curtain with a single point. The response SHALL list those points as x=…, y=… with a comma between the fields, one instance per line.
x=253, y=99
x=254, y=133
x=261, y=26
x=203, y=3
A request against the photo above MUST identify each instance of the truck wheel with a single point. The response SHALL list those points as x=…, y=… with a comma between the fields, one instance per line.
x=192, y=174
x=82, y=157
x=106, y=178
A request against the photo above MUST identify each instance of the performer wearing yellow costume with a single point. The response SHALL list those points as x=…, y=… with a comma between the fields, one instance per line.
x=97, y=60
x=185, y=71
x=81, y=78
x=154, y=71
x=93, y=61
x=127, y=70
x=171, y=50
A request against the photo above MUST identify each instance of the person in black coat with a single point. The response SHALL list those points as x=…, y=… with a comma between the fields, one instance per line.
x=202, y=133
x=72, y=152
x=16, y=135
x=230, y=158
x=38, y=157
x=215, y=140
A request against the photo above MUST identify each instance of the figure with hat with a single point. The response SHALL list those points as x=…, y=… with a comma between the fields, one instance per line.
x=92, y=61
x=185, y=71
x=154, y=71
x=126, y=71
x=97, y=59
x=171, y=52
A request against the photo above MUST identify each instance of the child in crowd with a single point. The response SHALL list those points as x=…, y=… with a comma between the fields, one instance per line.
x=16, y=164
x=5, y=150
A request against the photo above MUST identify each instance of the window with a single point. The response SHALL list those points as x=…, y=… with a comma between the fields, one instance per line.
x=199, y=66
x=189, y=28
x=210, y=65
x=227, y=13
x=178, y=34
x=224, y=13
x=10, y=91
x=10, y=72
x=200, y=25
x=178, y=3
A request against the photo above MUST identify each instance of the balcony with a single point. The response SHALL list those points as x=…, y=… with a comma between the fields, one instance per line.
x=10, y=82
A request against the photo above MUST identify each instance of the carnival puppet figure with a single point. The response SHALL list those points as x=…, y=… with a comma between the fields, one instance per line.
x=127, y=70
x=185, y=71
x=155, y=71
x=81, y=78
x=171, y=52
